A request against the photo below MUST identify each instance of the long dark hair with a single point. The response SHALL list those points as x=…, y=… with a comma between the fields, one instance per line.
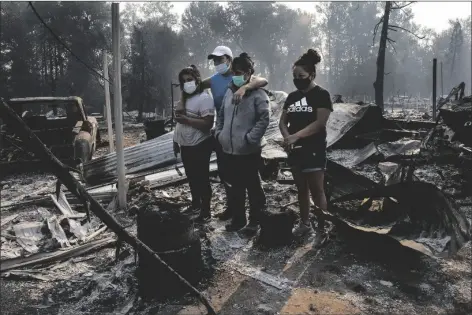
x=192, y=71
x=308, y=61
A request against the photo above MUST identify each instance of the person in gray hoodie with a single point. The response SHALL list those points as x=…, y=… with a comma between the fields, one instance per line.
x=240, y=130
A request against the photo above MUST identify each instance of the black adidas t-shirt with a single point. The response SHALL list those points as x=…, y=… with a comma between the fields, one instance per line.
x=301, y=111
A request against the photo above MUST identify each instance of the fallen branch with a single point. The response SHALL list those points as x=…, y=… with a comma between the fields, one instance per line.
x=62, y=173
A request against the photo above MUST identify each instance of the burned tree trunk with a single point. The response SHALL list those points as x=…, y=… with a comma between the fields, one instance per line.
x=379, y=80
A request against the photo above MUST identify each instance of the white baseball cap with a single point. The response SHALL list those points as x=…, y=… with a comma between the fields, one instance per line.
x=220, y=51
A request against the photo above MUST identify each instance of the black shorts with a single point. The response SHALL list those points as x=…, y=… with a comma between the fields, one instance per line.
x=307, y=160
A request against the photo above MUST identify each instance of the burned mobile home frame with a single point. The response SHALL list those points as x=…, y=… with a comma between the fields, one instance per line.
x=61, y=123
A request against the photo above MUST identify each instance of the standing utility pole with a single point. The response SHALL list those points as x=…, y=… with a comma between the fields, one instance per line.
x=120, y=157
x=442, y=87
x=107, y=112
x=435, y=63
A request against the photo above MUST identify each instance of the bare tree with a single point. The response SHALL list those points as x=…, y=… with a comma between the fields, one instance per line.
x=386, y=27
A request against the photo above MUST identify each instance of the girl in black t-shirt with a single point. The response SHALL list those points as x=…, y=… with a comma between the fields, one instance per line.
x=303, y=126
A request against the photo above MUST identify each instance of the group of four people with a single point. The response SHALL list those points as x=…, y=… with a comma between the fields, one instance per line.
x=242, y=112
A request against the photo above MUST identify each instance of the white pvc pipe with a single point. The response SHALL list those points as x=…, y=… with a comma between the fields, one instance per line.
x=120, y=157
x=107, y=103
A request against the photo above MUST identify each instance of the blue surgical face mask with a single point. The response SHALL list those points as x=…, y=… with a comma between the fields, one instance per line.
x=222, y=68
x=239, y=80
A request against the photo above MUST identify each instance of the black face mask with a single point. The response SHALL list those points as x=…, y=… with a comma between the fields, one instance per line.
x=302, y=84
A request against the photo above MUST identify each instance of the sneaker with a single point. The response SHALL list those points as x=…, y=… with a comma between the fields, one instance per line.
x=225, y=215
x=250, y=229
x=235, y=226
x=302, y=229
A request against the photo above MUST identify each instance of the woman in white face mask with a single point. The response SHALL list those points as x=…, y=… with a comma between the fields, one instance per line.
x=192, y=138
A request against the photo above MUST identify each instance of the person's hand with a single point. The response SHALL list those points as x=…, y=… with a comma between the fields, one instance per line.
x=179, y=111
x=238, y=95
x=291, y=140
x=179, y=107
x=176, y=149
x=182, y=119
x=287, y=148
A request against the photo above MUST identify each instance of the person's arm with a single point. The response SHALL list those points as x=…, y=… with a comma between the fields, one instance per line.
x=322, y=115
x=203, y=123
x=206, y=109
x=263, y=114
x=206, y=84
x=256, y=82
x=220, y=119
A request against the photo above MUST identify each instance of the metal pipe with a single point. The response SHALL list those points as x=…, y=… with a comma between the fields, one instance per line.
x=172, y=104
x=107, y=103
x=115, y=18
x=435, y=64
x=172, y=85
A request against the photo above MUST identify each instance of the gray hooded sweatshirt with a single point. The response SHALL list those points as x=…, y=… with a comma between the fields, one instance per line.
x=240, y=128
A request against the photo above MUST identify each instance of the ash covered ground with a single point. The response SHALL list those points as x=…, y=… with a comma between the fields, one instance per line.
x=351, y=274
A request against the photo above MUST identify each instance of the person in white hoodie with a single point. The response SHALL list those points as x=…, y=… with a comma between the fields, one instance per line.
x=193, y=139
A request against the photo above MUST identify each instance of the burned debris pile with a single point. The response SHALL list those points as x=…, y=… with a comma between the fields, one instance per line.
x=169, y=233
x=401, y=179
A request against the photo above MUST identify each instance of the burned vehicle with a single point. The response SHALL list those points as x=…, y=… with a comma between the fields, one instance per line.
x=59, y=122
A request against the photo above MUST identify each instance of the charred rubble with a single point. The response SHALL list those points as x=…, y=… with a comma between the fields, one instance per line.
x=403, y=183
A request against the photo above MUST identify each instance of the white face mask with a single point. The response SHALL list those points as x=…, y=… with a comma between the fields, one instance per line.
x=190, y=87
x=222, y=68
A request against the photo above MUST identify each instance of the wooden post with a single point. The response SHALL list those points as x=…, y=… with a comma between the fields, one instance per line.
x=442, y=87
x=107, y=112
x=120, y=157
x=435, y=64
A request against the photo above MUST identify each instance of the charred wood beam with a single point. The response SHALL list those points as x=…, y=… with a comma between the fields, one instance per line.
x=62, y=173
